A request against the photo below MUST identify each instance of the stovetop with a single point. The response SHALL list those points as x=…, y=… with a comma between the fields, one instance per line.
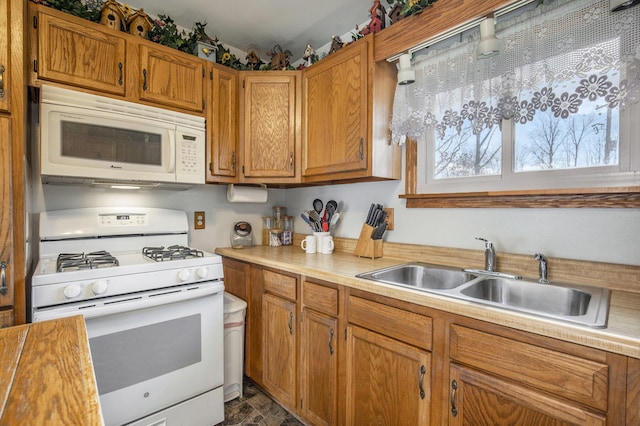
x=127, y=263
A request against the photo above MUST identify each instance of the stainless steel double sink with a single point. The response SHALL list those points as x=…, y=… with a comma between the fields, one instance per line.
x=578, y=304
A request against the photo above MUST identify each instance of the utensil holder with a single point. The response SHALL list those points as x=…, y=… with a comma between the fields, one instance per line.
x=366, y=246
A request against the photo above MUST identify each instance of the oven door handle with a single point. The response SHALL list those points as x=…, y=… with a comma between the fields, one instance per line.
x=134, y=302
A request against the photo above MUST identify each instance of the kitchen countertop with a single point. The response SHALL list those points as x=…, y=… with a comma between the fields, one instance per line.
x=46, y=375
x=621, y=336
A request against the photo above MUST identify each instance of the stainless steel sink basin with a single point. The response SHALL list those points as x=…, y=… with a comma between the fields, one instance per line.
x=548, y=299
x=420, y=276
x=578, y=304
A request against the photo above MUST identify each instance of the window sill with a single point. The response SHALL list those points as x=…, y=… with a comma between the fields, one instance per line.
x=622, y=197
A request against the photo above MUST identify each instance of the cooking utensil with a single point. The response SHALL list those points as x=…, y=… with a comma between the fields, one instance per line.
x=330, y=209
x=307, y=220
x=317, y=205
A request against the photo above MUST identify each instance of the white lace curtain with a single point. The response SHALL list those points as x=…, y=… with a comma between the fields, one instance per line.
x=551, y=58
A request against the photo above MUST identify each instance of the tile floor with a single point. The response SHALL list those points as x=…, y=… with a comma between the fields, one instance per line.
x=255, y=408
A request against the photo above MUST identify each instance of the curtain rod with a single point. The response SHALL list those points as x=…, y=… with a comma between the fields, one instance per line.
x=461, y=28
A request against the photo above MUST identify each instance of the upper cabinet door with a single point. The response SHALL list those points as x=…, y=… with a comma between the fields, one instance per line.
x=172, y=79
x=270, y=126
x=79, y=55
x=335, y=137
x=4, y=56
x=223, y=125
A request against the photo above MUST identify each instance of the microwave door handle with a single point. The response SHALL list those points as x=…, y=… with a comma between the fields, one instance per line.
x=172, y=152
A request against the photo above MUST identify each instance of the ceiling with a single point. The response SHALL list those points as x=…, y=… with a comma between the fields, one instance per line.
x=262, y=24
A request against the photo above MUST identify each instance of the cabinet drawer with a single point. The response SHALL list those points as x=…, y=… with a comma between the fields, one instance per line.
x=565, y=375
x=409, y=327
x=320, y=298
x=283, y=285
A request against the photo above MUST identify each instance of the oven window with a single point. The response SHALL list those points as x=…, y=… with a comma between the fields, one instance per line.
x=103, y=143
x=132, y=356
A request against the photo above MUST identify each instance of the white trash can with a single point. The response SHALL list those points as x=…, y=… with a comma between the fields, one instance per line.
x=234, y=313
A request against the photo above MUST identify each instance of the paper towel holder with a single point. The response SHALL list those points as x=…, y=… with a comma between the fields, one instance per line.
x=247, y=194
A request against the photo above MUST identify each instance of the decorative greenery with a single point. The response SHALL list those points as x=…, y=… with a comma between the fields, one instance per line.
x=89, y=9
x=412, y=7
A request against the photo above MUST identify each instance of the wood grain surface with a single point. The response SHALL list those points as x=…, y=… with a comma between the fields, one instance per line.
x=51, y=379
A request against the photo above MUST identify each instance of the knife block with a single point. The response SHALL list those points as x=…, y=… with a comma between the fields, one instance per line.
x=366, y=246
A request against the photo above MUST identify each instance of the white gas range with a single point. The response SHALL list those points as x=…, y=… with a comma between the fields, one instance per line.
x=153, y=309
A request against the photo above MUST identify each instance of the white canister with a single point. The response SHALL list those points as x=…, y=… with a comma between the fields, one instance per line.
x=309, y=244
x=319, y=236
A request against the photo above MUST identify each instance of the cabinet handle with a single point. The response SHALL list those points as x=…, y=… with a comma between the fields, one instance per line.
x=361, y=150
x=233, y=160
x=144, y=79
x=2, y=81
x=423, y=371
x=331, y=341
x=291, y=160
x=3, y=278
x=454, y=388
x=291, y=323
x=120, y=79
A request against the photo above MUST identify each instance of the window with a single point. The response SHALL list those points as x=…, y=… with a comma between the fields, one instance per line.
x=556, y=109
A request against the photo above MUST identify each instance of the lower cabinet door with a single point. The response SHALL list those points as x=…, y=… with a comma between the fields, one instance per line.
x=388, y=382
x=279, y=349
x=484, y=400
x=319, y=368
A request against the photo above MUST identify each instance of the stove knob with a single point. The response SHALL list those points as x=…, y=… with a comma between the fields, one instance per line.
x=184, y=275
x=72, y=291
x=99, y=287
x=202, y=272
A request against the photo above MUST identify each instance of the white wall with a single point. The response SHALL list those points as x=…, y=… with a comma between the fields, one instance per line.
x=606, y=235
x=212, y=199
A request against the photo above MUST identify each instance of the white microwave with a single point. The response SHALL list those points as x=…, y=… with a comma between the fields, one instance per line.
x=91, y=139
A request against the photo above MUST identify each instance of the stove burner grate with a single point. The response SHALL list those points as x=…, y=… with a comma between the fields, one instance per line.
x=176, y=252
x=93, y=260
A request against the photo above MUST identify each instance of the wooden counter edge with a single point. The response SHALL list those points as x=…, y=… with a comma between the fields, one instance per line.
x=53, y=377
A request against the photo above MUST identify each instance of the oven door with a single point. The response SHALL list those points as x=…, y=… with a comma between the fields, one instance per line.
x=153, y=352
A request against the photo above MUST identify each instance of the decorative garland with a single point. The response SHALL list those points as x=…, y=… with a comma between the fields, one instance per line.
x=164, y=31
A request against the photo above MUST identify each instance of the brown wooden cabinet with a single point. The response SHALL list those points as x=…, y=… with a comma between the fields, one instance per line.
x=499, y=380
x=6, y=234
x=320, y=352
x=5, y=54
x=633, y=392
x=222, y=129
x=370, y=359
x=280, y=337
x=169, y=77
x=347, y=102
x=270, y=127
x=69, y=51
x=72, y=51
x=388, y=379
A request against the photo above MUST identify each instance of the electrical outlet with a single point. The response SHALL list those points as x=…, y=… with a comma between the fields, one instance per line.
x=198, y=220
x=389, y=218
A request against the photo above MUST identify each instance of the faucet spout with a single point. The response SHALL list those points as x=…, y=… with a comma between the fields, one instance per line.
x=542, y=267
x=489, y=255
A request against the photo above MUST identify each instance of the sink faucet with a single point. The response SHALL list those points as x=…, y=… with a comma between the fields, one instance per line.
x=542, y=267
x=489, y=255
